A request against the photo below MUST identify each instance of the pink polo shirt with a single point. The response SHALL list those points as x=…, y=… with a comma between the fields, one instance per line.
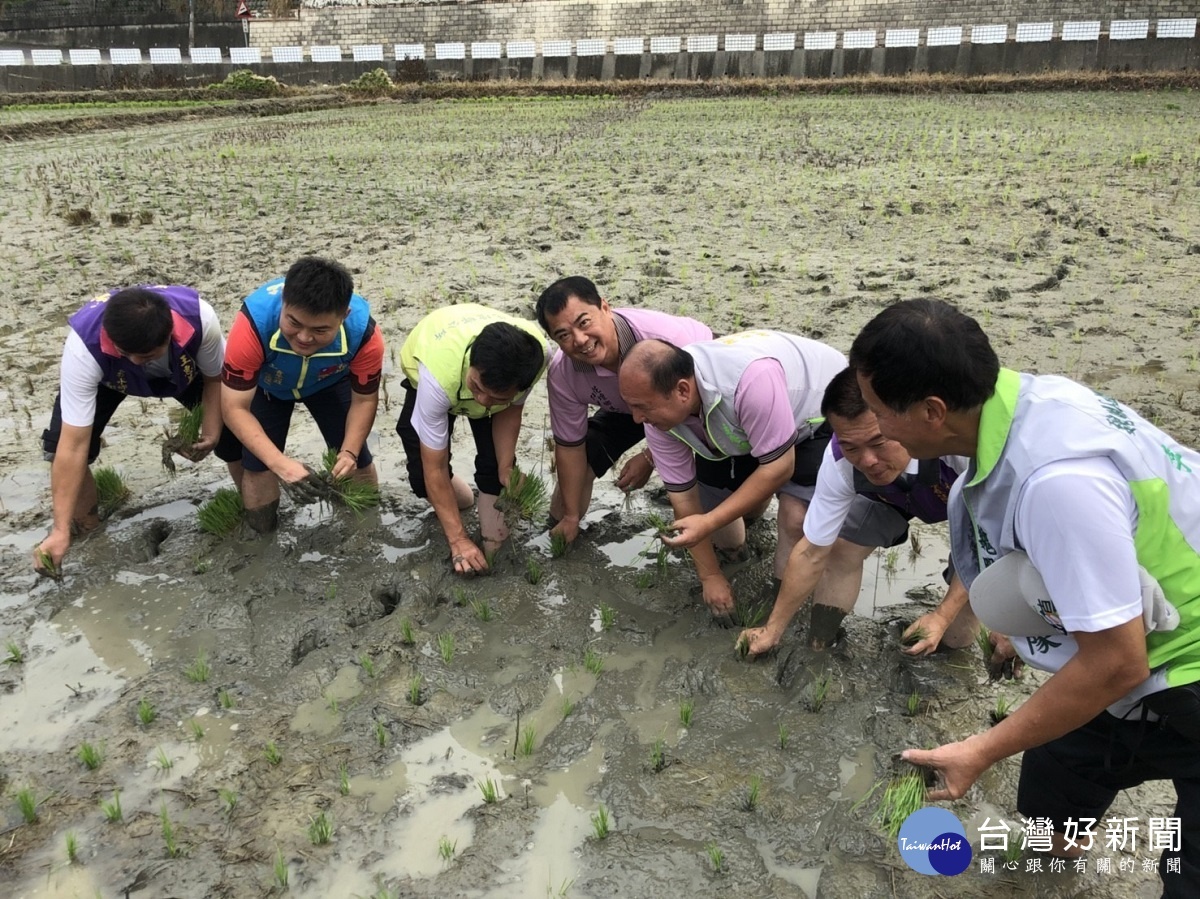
x=574, y=386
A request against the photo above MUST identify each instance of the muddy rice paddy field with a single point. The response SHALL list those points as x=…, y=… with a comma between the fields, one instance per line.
x=352, y=683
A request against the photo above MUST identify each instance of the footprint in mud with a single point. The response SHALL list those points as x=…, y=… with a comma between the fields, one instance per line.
x=307, y=642
x=147, y=547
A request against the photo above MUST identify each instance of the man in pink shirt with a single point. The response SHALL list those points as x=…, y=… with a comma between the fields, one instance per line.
x=733, y=421
x=594, y=338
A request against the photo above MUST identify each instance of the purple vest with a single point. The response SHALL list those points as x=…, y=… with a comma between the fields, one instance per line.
x=923, y=495
x=123, y=376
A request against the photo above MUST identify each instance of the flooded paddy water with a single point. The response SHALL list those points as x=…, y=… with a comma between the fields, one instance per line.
x=1068, y=223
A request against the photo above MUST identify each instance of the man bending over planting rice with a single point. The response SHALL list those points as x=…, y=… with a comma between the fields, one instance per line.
x=733, y=421
x=473, y=361
x=304, y=338
x=594, y=338
x=147, y=341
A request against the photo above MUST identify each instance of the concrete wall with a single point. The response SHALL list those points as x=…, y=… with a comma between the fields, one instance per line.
x=143, y=37
x=964, y=59
x=380, y=22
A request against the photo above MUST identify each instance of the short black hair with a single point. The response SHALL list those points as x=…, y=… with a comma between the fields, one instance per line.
x=667, y=365
x=318, y=286
x=507, y=357
x=555, y=297
x=921, y=348
x=138, y=320
x=842, y=396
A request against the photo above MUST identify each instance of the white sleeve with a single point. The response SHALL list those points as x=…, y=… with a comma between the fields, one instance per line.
x=80, y=375
x=212, y=342
x=831, y=501
x=431, y=412
x=1076, y=519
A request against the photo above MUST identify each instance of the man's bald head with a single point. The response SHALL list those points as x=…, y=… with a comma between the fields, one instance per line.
x=657, y=380
x=661, y=364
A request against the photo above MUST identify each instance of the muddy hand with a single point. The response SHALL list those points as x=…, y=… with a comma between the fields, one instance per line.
x=309, y=489
x=1004, y=663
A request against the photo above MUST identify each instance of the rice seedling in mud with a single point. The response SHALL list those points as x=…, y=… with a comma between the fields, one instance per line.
x=567, y=707
x=221, y=515
x=742, y=647
x=91, y=756
x=15, y=655
x=46, y=566
x=146, y=713
x=983, y=639
x=320, y=829
x=445, y=643
x=460, y=597
x=600, y=823
x=187, y=433
x=912, y=705
x=230, y=799
x=686, y=708
x=904, y=794
x=818, y=691
x=280, y=870
x=354, y=493
x=608, y=617
x=524, y=498
x=381, y=734
x=1000, y=711
x=593, y=661
x=784, y=735
x=272, y=754
x=644, y=580
x=170, y=838
x=111, y=492
x=890, y=562
x=914, y=546
x=753, y=793
x=749, y=614
x=343, y=779
x=482, y=610
x=528, y=738
x=414, y=689
x=406, y=632
x=27, y=803
x=198, y=672
x=225, y=699
x=163, y=760
x=446, y=849
x=367, y=664
x=112, y=810
x=716, y=857
x=658, y=755
x=1013, y=850
x=558, y=545
x=533, y=571
x=72, y=847
x=913, y=635
x=489, y=789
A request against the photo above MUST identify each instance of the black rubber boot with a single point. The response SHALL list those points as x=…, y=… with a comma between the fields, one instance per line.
x=825, y=625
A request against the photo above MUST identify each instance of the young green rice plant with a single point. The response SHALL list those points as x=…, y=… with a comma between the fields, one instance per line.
x=381, y=734
x=528, y=738
x=567, y=707
x=111, y=491
x=446, y=848
x=983, y=640
x=222, y=514
x=914, y=545
x=524, y=497
x=1000, y=711
x=749, y=614
x=343, y=779
x=320, y=829
x=819, y=691
x=558, y=545
x=46, y=566
x=460, y=596
x=784, y=735
x=489, y=789
x=593, y=661
x=170, y=838
x=608, y=617
x=903, y=796
x=198, y=672
x=685, y=712
x=354, y=493
x=367, y=664
x=91, y=756
x=163, y=760
x=185, y=437
x=912, y=705
x=753, y=793
x=72, y=847
x=600, y=823
x=28, y=804
x=15, y=655
x=914, y=636
x=1013, y=850
x=445, y=643
x=890, y=561
x=716, y=857
x=482, y=610
x=533, y=571
x=230, y=798
x=644, y=580
x=225, y=699
x=272, y=754
x=742, y=647
x=281, y=870
x=658, y=755
x=414, y=689
x=112, y=810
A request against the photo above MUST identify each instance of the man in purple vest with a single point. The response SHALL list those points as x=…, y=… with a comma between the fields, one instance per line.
x=860, y=461
x=148, y=341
